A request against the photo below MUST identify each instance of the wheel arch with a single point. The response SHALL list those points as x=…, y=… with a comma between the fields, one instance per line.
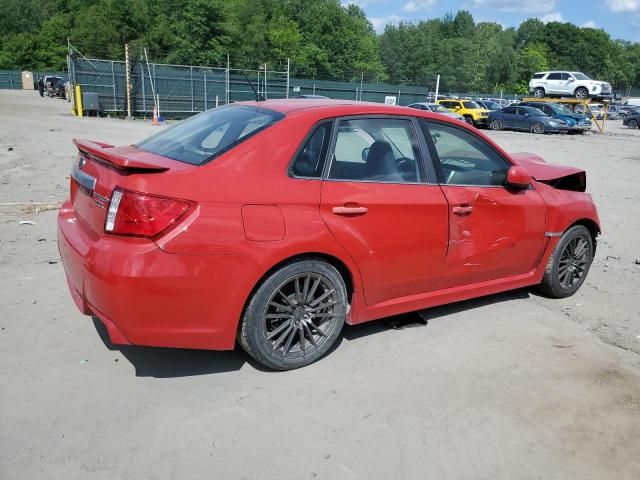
x=344, y=271
x=589, y=224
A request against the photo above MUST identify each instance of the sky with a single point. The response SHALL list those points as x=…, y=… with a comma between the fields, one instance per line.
x=619, y=18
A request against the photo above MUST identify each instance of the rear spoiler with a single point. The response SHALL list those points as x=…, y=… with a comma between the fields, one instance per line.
x=102, y=153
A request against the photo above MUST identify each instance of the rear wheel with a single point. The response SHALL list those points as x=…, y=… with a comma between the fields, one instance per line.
x=469, y=120
x=569, y=264
x=539, y=92
x=581, y=93
x=633, y=123
x=496, y=125
x=538, y=128
x=295, y=316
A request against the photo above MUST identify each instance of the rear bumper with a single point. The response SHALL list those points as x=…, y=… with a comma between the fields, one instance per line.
x=145, y=296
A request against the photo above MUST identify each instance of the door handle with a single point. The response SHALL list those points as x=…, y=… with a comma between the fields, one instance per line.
x=463, y=210
x=349, y=210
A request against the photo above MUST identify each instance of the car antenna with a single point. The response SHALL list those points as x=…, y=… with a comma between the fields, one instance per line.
x=259, y=96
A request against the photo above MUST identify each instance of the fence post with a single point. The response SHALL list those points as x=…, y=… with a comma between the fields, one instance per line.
x=204, y=73
x=192, y=107
x=127, y=73
x=113, y=85
x=398, y=100
x=288, y=65
x=226, y=93
x=144, y=96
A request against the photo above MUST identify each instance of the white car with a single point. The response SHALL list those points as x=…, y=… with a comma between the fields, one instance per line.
x=571, y=84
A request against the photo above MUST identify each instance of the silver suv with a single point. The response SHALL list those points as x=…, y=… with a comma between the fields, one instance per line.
x=572, y=84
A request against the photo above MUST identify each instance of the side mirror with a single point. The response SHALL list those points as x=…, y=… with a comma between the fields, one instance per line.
x=526, y=114
x=365, y=154
x=571, y=79
x=518, y=177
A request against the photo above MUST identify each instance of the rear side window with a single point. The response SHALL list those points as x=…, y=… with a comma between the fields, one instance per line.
x=538, y=75
x=203, y=137
x=511, y=110
x=554, y=76
x=310, y=160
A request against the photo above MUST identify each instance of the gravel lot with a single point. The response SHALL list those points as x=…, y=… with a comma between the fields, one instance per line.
x=512, y=386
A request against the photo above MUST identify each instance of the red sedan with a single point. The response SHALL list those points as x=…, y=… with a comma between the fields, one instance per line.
x=273, y=223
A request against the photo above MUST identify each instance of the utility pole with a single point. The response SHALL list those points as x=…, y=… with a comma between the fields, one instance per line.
x=435, y=100
x=127, y=78
x=361, y=82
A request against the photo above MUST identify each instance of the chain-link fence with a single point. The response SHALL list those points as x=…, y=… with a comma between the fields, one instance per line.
x=181, y=90
x=12, y=79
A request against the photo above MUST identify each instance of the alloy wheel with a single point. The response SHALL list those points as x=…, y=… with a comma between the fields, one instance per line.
x=538, y=93
x=538, y=128
x=300, y=315
x=582, y=93
x=633, y=124
x=573, y=262
x=496, y=125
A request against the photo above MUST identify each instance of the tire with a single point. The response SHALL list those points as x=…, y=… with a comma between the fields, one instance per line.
x=295, y=316
x=469, y=120
x=538, y=92
x=496, y=125
x=538, y=128
x=569, y=264
x=581, y=93
x=632, y=123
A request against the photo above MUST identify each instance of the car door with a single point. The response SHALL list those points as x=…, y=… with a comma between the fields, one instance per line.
x=553, y=83
x=384, y=207
x=494, y=231
x=522, y=119
x=509, y=117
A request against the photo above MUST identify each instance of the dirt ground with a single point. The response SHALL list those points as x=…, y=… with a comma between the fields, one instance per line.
x=512, y=386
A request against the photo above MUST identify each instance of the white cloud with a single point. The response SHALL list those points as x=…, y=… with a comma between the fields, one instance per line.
x=552, y=17
x=517, y=6
x=380, y=22
x=623, y=5
x=416, y=5
x=589, y=24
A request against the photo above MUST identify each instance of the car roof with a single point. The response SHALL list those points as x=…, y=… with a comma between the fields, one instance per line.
x=333, y=107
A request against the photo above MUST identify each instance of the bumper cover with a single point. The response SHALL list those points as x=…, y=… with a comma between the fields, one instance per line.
x=145, y=296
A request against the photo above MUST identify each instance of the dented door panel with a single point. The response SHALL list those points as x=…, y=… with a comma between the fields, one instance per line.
x=494, y=232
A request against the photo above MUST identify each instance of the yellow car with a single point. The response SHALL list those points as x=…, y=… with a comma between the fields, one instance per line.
x=473, y=113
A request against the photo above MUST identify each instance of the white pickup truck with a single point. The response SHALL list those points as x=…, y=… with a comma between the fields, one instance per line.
x=568, y=84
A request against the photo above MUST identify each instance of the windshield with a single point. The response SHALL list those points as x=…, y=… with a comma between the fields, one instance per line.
x=438, y=108
x=560, y=109
x=492, y=105
x=580, y=76
x=203, y=137
x=471, y=105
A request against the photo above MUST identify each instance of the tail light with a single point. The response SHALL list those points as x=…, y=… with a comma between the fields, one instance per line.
x=142, y=215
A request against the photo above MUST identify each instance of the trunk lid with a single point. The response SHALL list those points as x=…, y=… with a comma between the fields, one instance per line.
x=100, y=168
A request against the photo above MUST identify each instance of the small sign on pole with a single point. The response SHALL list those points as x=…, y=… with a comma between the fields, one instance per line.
x=390, y=100
x=296, y=89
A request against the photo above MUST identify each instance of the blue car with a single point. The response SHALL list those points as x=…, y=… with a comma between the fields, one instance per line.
x=578, y=122
x=526, y=118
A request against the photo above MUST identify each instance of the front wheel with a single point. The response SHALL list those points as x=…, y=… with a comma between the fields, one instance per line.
x=632, y=123
x=538, y=128
x=295, y=316
x=569, y=264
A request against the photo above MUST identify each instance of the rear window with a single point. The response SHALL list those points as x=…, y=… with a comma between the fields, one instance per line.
x=203, y=137
x=471, y=105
